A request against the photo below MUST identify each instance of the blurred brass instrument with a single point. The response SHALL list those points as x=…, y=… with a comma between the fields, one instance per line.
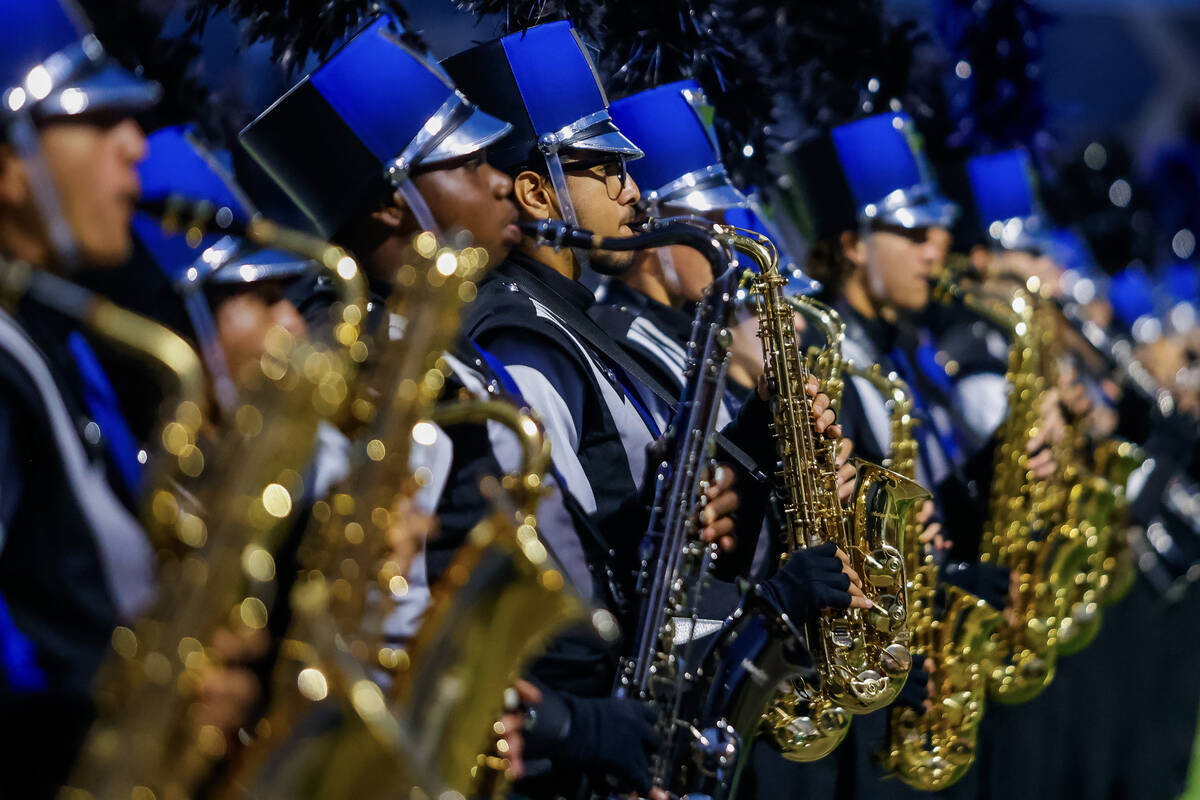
x=1023, y=531
x=218, y=526
x=862, y=656
x=931, y=750
x=496, y=604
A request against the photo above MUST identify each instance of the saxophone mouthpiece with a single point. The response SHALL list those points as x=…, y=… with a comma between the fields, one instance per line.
x=558, y=234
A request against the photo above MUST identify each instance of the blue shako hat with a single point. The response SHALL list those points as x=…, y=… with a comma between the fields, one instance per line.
x=177, y=164
x=51, y=66
x=1005, y=199
x=869, y=170
x=673, y=125
x=543, y=82
x=374, y=111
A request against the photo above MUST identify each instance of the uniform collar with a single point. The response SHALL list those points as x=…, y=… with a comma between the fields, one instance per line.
x=675, y=322
x=877, y=335
x=569, y=290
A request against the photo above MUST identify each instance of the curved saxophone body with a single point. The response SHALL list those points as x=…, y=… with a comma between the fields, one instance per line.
x=441, y=702
x=862, y=657
x=1024, y=530
x=951, y=627
x=219, y=516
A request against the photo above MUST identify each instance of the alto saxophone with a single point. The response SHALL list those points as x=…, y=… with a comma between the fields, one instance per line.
x=388, y=738
x=931, y=750
x=862, y=657
x=218, y=527
x=1020, y=533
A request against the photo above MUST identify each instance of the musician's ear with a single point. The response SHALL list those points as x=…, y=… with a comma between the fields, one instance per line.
x=534, y=196
x=14, y=187
x=854, y=248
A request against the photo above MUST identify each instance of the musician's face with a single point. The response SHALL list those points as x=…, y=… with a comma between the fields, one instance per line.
x=93, y=165
x=244, y=315
x=898, y=263
x=471, y=195
x=605, y=197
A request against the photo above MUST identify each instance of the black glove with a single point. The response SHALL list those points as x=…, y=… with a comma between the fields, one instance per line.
x=606, y=737
x=809, y=581
x=916, y=688
x=988, y=582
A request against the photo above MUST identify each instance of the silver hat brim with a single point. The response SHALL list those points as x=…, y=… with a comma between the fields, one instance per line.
x=477, y=131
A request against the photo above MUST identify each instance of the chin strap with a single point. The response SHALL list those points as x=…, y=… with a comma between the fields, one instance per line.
x=23, y=136
x=210, y=348
x=558, y=179
x=418, y=206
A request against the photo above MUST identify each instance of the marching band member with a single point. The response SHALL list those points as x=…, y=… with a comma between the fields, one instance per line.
x=69, y=463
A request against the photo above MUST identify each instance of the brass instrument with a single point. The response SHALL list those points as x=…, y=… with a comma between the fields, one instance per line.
x=388, y=738
x=218, y=527
x=931, y=750
x=1020, y=533
x=862, y=657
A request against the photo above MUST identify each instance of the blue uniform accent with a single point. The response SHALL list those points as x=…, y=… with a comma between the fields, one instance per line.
x=18, y=658
x=382, y=90
x=105, y=409
x=928, y=426
x=936, y=373
x=557, y=82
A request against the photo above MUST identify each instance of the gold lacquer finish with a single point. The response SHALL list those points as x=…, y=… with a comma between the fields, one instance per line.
x=932, y=750
x=431, y=723
x=1023, y=532
x=862, y=657
x=218, y=516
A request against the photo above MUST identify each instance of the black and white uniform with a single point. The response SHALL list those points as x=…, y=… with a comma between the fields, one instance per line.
x=656, y=335
x=74, y=561
x=589, y=407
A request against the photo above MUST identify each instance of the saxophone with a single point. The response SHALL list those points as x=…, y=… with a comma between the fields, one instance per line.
x=700, y=745
x=387, y=737
x=1019, y=533
x=932, y=750
x=218, y=527
x=862, y=657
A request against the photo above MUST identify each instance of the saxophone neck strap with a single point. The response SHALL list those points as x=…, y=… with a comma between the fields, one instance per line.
x=601, y=342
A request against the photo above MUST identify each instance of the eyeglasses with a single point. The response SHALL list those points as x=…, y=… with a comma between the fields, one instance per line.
x=917, y=235
x=612, y=172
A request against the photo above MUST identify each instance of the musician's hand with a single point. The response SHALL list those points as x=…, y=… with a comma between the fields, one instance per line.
x=919, y=686
x=824, y=417
x=229, y=689
x=812, y=580
x=847, y=472
x=718, y=503
x=615, y=737
x=931, y=527
x=512, y=722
